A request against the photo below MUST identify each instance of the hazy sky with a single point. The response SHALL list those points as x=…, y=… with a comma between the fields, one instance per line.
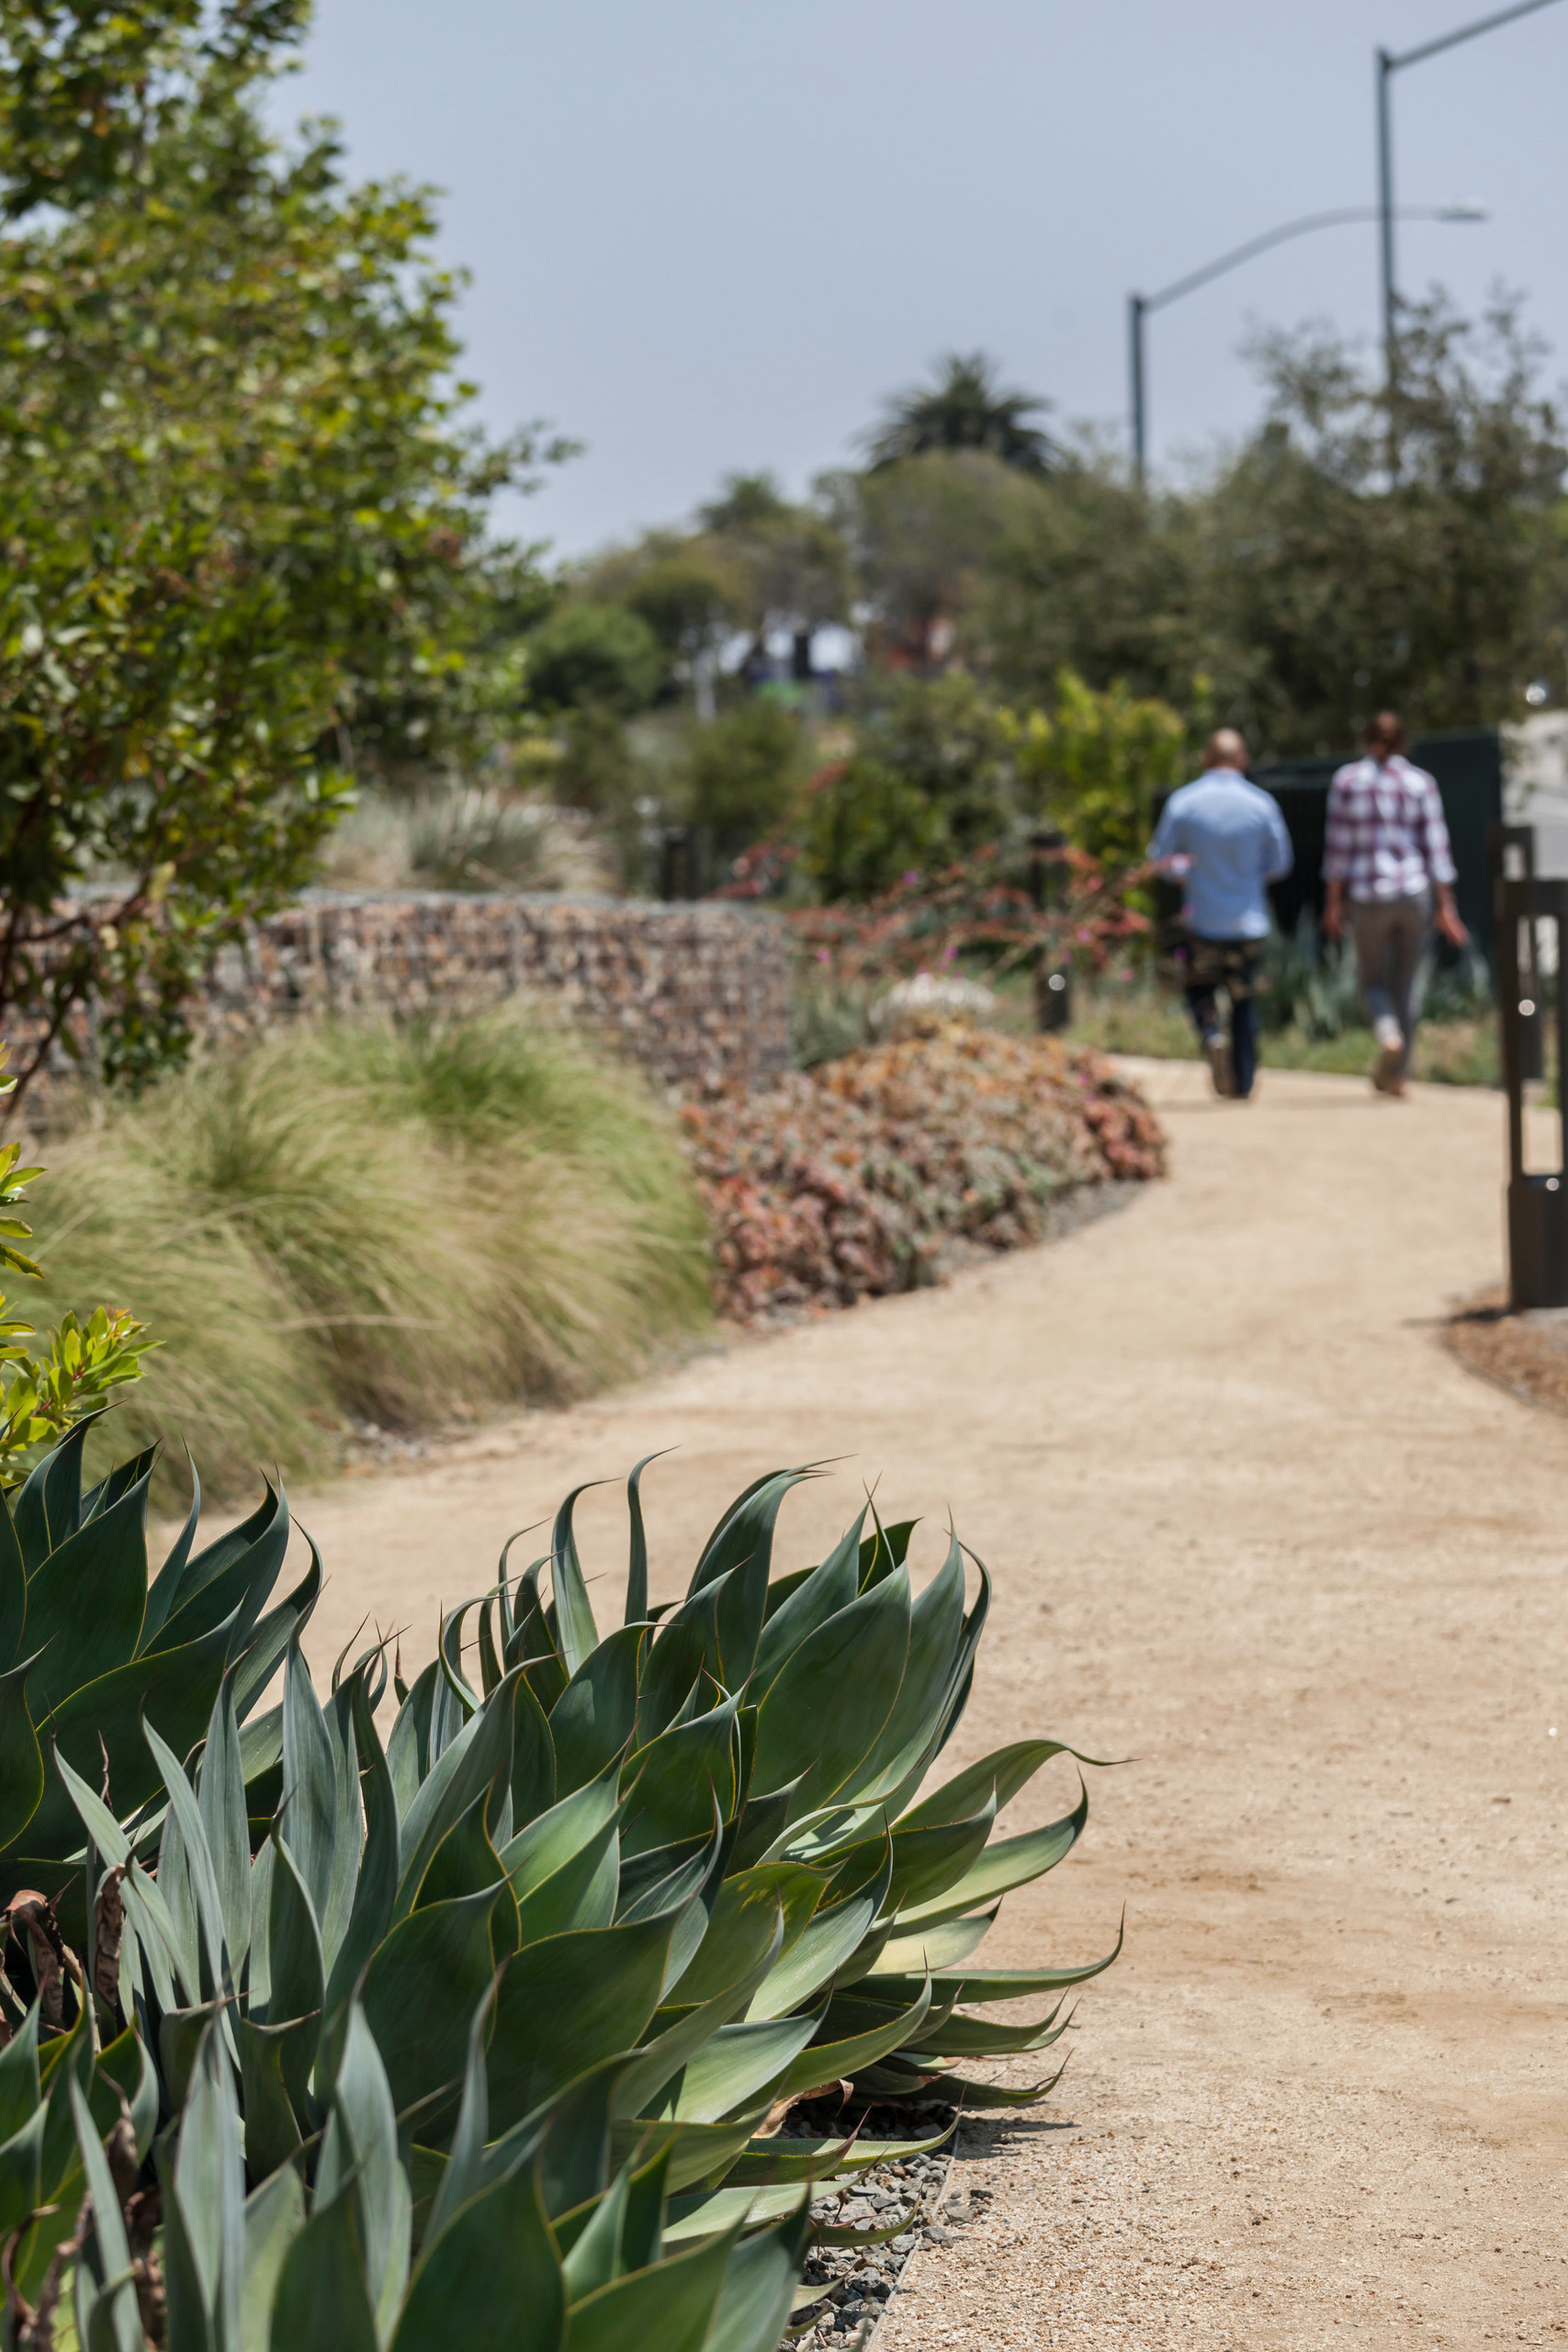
x=708, y=236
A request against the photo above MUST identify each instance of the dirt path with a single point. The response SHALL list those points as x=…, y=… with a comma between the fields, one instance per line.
x=1251, y=1525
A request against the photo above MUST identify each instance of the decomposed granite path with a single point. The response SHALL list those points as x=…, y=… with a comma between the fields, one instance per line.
x=1253, y=1528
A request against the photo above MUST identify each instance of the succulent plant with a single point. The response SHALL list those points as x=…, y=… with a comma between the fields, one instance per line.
x=90, y=1647
x=502, y=2014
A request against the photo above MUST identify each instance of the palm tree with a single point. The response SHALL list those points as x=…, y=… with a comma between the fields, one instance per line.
x=965, y=409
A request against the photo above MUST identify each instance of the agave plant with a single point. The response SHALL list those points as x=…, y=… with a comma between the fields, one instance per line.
x=90, y=1648
x=570, y=1941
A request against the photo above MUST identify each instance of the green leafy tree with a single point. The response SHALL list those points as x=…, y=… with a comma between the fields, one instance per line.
x=598, y=655
x=1095, y=765
x=966, y=408
x=791, y=560
x=929, y=535
x=241, y=507
x=745, y=773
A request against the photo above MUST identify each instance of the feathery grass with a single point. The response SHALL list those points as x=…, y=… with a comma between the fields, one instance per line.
x=363, y=1221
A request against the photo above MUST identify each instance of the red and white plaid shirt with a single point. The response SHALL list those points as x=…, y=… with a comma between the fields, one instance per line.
x=1386, y=834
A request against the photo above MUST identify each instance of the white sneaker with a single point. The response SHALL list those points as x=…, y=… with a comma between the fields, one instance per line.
x=1386, y=1076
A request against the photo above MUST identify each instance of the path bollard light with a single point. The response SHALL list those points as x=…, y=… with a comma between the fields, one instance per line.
x=1538, y=1200
x=1510, y=856
x=1053, y=983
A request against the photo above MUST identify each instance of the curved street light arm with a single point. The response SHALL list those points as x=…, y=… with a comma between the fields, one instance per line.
x=1465, y=32
x=1334, y=219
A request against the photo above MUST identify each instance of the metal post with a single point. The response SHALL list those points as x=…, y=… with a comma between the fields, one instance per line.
x=1386, y=215
x=1136, y=309
x=1537, y=1203
x=1510, y=857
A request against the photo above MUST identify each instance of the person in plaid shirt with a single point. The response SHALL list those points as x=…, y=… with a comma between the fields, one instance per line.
x=1388, y=852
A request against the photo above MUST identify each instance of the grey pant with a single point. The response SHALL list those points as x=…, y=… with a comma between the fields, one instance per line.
x=1391, y=937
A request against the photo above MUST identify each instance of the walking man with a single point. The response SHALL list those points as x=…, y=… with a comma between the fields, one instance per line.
x=1388, y=851
x=1227, y=839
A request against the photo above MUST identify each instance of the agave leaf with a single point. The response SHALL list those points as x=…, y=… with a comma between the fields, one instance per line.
x=637, y=1565
x=1013, y=1861
x=566, y=2006
x=310, y=1783
x=571, y=2136
x=742, y=1927
x=21, y=2160
x=652, y=2069
x=549, y=1841
x=231, y=1581
x=579, y=1633
x=321, y=2303
x=532, y=1756
x=420, y=1990
x=593, y=1721
x=492, y=2271
x=978, y=2037
x=209, y=2190
x=113, y=2319
x=936, y=1638
x=362, y=2103
x=181, y=1578
x=477, y=1761
x=465, y=1862
x=376, y=1884
x=825, y=1947
x=580, y=1894
x=818, y=1595
x=591, y=2259
x=992, y=1983
x=47, y=1508
x=1003, y=1773
x=166, y=1583
x=885, y=1550
x=272, y=2130
x=736, y=2065
x=980, y=2096
x=828, y=2062
x=936, y=1948
x=673, y=1784
x=463, y=2174
x=173, y=1690
x=275, y=2215
x=13, y=1592
x=764, y=2162
x=262, y=1648
x=21, y=1759
x=20, y=2086
x=107, y=1558
x=125, y=2067
x=669, y=2304
x=832, y=1696
x=408, y=1750
x=222, y=1805
x=294, y=1943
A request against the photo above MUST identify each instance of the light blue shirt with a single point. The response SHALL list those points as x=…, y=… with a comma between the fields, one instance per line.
x=1232, y=840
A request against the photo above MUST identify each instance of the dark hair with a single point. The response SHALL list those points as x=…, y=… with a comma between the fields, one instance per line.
x=1386, y=732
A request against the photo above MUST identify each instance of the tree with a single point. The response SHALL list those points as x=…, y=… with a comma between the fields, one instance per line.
x=1439, y=585
x=791, y=560
x=239, y=504
x=599, y=654
x=928, y=535
x=966, y=408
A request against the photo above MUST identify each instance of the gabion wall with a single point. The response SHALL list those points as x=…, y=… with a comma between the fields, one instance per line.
x=698, y=994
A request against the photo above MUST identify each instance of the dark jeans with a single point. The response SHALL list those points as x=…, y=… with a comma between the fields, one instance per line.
x=1230, y=965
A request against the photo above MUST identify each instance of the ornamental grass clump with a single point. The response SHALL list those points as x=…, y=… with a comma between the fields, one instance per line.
x=851, y=1179
x=361, y=1221
x=357, y=2020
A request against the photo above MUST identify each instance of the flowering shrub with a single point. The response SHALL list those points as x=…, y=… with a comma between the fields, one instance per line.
x=846, y=1182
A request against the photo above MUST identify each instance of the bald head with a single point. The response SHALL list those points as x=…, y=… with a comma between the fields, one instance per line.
x=1225, y=749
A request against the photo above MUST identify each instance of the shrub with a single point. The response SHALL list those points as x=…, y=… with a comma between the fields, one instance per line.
x=512, y=2003
x=848, y=1181
x=865, y=825
x=358, y=1219
x=594, y=654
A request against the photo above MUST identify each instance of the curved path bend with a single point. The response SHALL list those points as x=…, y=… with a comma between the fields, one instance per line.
x=1251, y=1526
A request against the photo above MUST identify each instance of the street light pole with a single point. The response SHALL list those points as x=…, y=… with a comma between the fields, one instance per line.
x=1140, y=305
x=1136, y=307
x=1387, y=66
